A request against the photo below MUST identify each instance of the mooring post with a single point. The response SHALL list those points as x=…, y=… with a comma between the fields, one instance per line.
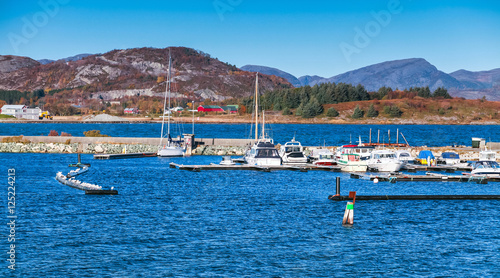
x=349, y=210
x=79, y=158
x=337, y=192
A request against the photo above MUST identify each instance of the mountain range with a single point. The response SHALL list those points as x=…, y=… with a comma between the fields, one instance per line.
x=141, y=71
x=403, y=74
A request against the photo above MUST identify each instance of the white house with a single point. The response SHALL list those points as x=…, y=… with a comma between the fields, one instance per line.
x=21, y=111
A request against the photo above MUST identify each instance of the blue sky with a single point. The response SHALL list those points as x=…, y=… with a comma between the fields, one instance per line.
x=301, y=37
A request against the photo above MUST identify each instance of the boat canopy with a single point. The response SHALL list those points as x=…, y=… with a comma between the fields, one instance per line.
x=451, y=155
x=425, y=154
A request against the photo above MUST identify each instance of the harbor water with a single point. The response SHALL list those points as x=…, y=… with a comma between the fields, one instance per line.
x=171, y=223
x=307, y=134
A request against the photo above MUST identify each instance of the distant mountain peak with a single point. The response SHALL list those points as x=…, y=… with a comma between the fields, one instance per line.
x=273, y=71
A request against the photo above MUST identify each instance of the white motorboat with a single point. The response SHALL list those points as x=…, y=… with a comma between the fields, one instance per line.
x=226, y=160
x=352, y=163
x=384, y=161
x=169, y=148
x=487, y=155
x=263, y=152
x=449, y=158
x=405, y=157
x=322, y=157
x=486, y=167
x=363, y=151
x=292, y=153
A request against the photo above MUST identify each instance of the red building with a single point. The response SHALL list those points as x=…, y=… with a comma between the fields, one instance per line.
x=210, y=108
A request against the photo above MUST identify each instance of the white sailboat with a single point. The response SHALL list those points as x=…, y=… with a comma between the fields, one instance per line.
x=263, y=152
x=168, y=148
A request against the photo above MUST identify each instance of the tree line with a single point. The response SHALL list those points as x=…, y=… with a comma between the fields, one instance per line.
x=308, y=101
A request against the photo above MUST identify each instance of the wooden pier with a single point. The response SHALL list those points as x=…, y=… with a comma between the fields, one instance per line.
x=123, y=155
x=300, y=168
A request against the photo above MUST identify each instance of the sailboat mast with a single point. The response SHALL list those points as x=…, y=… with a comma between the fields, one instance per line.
x=168, y=84
x=256, y=106
x=263, y=124
x=164, y=107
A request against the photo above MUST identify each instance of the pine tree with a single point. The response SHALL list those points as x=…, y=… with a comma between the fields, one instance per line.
x=332, y=112
x=286, y=111
x=299, y=110
x=372, y=113
x=358, y=113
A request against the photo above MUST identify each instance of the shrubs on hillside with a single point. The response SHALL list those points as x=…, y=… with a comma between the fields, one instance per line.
x=94, y=133
x=332, y=112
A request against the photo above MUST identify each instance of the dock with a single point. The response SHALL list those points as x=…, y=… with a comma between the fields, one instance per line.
x=414, y=197
x=481, y=179
x=123, y=155
x=101, y=192
x=437, y=168
x=300, y=168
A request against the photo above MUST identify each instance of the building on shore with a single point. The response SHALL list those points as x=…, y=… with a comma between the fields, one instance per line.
x=210, y=108
x=21, y=111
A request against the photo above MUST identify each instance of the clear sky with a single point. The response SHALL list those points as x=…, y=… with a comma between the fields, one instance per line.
x=301, y=37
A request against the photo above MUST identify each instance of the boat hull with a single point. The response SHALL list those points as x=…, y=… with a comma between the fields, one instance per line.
x=171, y=152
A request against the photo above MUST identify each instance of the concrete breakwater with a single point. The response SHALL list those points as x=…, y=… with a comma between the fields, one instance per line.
x=113, y=145
x=210, y=146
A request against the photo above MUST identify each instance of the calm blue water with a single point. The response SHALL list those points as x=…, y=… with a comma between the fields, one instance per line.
x=171, y=223
x=308, y=134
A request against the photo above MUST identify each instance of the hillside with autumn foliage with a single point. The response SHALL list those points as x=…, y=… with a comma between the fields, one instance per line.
x=95, y=80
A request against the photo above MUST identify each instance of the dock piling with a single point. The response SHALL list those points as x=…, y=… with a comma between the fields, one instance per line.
x=337, y=186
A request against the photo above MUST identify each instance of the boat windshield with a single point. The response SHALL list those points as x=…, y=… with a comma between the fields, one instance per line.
x=487, y=164
x=267, y=153
x=292, y=149
x=325, y=156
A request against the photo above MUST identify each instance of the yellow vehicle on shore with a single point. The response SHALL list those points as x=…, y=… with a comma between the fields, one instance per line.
x=45, y=115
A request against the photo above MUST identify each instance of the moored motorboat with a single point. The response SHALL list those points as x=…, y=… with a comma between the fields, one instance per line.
x=226, y=160
x=292, y=152
x=425, y=157
x=486, y=167
x=322, y=157
x=363, y=151
x=448, y=158
x=352, y=163
x=384, y=161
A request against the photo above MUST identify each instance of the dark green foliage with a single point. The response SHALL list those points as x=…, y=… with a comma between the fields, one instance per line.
x=299, y=110
x=372, y=113
x=12, y=97
x=286, y=111
x=393, y=111
x=332, y=112
x=441, y=92
x=423, y=92
x=358, y=113
x=312, y=109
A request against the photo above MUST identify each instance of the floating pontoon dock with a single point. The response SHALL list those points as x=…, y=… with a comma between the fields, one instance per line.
x=482, y=179
x=301, y=168
x=438, y=168
x=123, y=155
x=352, y=196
